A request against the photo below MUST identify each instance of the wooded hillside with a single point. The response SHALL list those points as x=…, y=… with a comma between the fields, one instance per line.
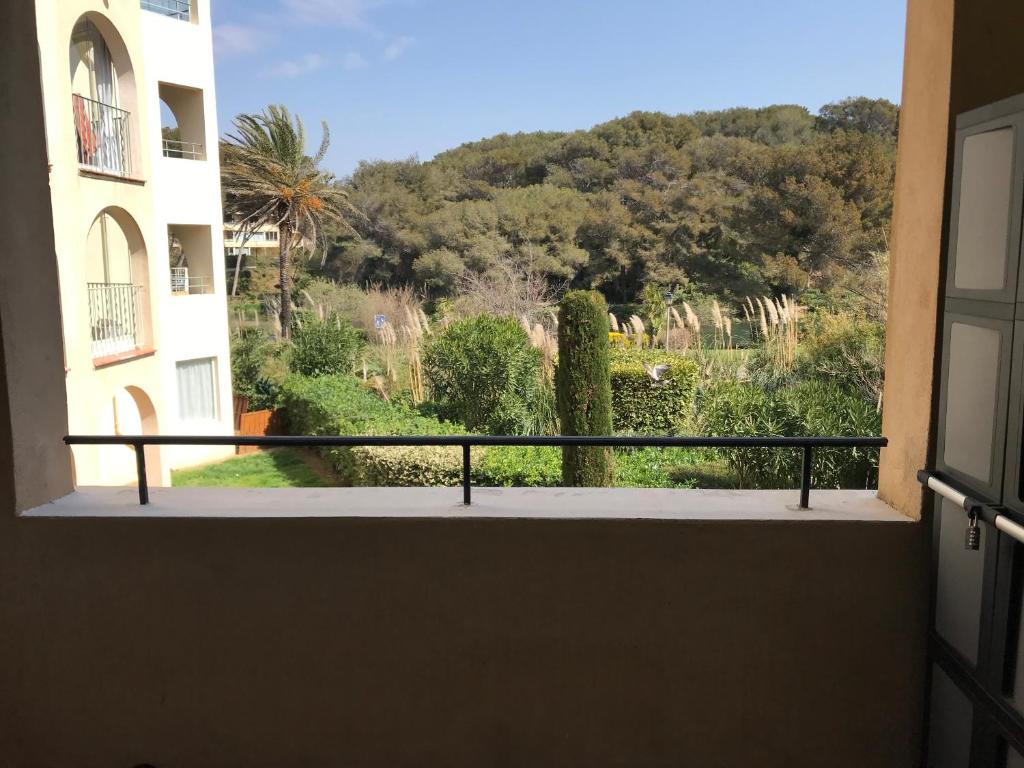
x=730, y=203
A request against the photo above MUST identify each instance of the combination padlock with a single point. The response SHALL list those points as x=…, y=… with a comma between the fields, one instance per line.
x=972, y=539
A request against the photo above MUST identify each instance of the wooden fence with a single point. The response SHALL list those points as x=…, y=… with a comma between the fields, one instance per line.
x=253, y=424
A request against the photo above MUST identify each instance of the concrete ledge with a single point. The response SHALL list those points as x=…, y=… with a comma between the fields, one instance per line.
x=496, y=503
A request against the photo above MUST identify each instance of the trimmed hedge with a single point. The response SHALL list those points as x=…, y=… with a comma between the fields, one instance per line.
x=340, y=405
x=644, y=406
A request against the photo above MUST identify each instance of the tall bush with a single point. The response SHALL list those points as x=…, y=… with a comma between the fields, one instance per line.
x=805, y=409
x=583, y=386
x=483, y=372
x=323, y=347
x=253, y=356
x=847, y=351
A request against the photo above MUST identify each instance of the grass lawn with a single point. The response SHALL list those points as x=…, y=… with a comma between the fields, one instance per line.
x=276, y=468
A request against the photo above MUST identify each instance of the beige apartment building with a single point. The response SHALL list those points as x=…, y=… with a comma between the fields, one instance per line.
x=139, y=248
x=249, y=250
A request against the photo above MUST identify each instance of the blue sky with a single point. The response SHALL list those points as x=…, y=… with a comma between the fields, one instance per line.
x=395, y=78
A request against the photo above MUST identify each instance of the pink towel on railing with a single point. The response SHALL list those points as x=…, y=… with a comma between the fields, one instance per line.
x=83, y=127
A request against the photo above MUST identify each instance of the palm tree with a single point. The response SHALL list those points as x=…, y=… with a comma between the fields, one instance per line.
x=269, y=179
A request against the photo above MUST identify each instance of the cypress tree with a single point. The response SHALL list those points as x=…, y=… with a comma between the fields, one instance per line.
x=584, y=386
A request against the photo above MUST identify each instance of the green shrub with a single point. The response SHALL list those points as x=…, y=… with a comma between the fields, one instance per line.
x=324, y=347
x=827, y=410
x=846, y=351
x=523, y=466
x=645, y=406
x=805, y=409
x=651, y=467
x=252, y=355
x=340, y=405
x=483, y=372
x=424, y=466
x=582, y=381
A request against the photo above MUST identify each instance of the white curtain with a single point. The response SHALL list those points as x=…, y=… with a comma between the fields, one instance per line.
x=197, y=391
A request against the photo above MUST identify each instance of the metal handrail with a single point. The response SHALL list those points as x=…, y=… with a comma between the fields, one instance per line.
x=183, y=150
x=176, y=9
x=1009, y=522
x=807, y=444
x=184, y=283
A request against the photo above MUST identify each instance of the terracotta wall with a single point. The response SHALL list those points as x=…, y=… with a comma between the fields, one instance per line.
x=917, y=236
x=957, y=59
x=460, y=643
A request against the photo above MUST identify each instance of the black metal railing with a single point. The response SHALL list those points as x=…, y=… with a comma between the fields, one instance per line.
x=466, y=442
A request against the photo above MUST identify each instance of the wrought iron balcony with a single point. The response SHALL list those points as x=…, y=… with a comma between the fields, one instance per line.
x=103, y=136
x=115, y=312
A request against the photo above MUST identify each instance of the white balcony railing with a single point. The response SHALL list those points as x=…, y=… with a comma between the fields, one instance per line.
x=103, y=135
x=184, y=150
x=115, y=311
x=182, y=283
x=176, y=9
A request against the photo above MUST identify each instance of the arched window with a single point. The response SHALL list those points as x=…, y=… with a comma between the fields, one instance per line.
x=116, y=270
x=102, y=88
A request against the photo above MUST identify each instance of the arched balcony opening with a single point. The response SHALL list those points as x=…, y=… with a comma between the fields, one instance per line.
x=103, y=97
x=117, y=270
x=182, y=122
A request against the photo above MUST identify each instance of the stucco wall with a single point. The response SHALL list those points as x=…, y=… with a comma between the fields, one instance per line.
x=917, y=232
x=957, y=59
x=30, y=312
x=187, y=192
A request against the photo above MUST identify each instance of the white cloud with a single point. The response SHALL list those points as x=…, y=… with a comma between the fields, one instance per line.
x=311, y=62
x=237, y=38
x=354, y=61
x=397, y=47
x=347, y=13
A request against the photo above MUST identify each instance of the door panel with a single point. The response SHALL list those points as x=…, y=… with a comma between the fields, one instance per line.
x=983, y=218
x=950, y=724
x=973, y=402
x=958, y=583
x=986, y=205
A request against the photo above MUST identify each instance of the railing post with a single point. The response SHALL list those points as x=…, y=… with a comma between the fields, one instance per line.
x=805, y=478
x=465, y=474
x=140, y=469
